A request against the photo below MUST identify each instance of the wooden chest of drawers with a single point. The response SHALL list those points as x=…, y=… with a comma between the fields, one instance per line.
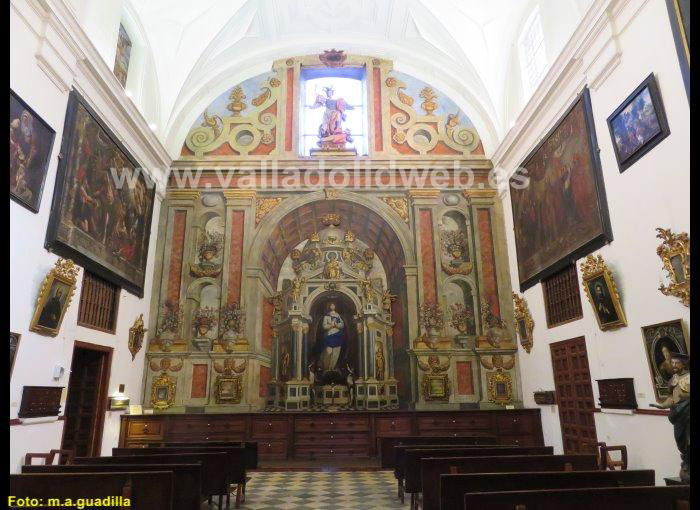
x=319, y=435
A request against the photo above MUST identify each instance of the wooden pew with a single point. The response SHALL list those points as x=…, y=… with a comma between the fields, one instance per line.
x=606, y=498
x=387, y=455
x=452, y=488
x=250, y=447
x=235, y=465
x=412, y=456
x=152, y=489
x=432, y=467
x=187, y=479
x=214, y=473
x=400, y=461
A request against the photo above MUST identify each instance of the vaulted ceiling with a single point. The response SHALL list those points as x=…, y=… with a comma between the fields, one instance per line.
x=462, y=47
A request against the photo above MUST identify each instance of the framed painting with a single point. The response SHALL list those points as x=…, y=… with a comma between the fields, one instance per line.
x=558, y=198
x=638, y=124
x=123, y=56
x=54, y=297
x=679, y=14
x=103, y=202
x=31, y=142
x=599, y=284
x=660, y=342
x=14, y=345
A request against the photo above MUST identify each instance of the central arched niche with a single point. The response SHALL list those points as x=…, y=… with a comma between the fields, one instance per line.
x=347, y=310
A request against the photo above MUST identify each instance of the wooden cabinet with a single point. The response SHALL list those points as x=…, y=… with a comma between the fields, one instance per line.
x=318, y=435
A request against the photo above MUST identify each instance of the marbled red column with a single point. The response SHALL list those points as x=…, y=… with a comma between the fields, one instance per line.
x=199, y=380
x=235, y=261
x=176, y=253
x=377, y=86
x=266, y=342
x=465, y=381
x=289, y=111
x=427, y=250
x=265, y=375
x=488, y=261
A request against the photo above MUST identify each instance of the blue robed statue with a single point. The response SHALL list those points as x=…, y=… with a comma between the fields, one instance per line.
x=333, y=340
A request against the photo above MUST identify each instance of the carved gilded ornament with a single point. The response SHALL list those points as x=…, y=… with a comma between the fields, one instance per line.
x=243, y=133
x=333, y=58
x=423, y=132
x=523, y=322
x=675, y=255
x=331, y=219
x=136, y=334
x=162, y=392
x=54, y=297
x=600, y=288
x=399, y=205
x=263, y=206
x=229, y=384
x=499, y=381
x=435, y=384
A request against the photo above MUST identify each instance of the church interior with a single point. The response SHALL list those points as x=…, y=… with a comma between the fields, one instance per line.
x=370, y=254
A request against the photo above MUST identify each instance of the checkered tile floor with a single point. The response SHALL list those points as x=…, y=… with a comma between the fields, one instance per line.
x=305, y=490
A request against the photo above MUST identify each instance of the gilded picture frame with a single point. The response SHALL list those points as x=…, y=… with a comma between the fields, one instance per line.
x=499, y=387
x=54, y=298
x=436, y=387
x=229, y=389
x=163, y=392
x=675, y=255
x=523, y=322
x=660, y=341
x=600, y=288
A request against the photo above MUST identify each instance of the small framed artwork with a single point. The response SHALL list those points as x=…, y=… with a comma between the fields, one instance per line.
x=500, y=387
x=523, y=321
x=162, y=392
x=660, y=342
x=14, y=345
x=638, y=124
x=599, y=284
x=54, y=298
x=228, y=389
x=31, y=142
x=135, y=409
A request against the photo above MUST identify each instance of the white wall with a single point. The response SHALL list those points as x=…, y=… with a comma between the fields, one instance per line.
x=624, y=41
x=45, y=60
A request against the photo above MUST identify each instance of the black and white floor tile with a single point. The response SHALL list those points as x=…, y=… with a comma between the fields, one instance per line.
x=306, y=490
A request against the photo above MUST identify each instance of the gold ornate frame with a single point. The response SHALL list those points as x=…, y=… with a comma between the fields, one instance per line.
x=593, y=268
x=522, y=314
x=431, y=392
x=235, y=380
x=167, y=382
x=66, y=272
x=675, y=246
x=495, y=378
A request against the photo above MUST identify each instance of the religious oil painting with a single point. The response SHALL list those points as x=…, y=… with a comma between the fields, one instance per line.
x=103, y=202
x=558, y=198
x=660, y=342
x=123, y=56
x=54, y=297
x=31, y=141
x=638, y=124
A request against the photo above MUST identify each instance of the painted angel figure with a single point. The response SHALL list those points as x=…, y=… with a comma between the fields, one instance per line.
x=331, y=133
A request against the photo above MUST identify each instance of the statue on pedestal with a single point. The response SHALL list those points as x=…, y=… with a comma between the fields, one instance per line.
x=679, y=405
x=331, y=135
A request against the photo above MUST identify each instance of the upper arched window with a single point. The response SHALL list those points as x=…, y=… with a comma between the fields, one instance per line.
x=324, y=91
x=532, y=52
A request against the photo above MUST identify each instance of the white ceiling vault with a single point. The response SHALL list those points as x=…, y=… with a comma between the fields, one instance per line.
x=462, y=47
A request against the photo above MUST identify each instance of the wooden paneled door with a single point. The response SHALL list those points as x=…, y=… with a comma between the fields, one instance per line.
x=86, y=402
x=572, y=380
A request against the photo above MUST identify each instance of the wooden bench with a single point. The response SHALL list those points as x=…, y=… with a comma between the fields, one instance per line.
x=607, y=498
x=432, y=468
x=152, y=489
x=412, y=459
x=250, y=447
x=387, y=454
x=214, y=474
x=235, y=464
x=452, y=488
x=187, y=479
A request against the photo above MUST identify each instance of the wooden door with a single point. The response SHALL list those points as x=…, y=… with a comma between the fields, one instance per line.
x=87, y=399
x=572, y=380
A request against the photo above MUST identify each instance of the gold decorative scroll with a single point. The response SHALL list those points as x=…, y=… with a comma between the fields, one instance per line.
x=675, y=255
x=522, y=315
x=264, y=205
x=399, y=205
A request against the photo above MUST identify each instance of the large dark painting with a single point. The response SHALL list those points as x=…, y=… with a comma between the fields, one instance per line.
x=559, y=211
x=679, y=12
x=102, y=206
x=31, y=141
